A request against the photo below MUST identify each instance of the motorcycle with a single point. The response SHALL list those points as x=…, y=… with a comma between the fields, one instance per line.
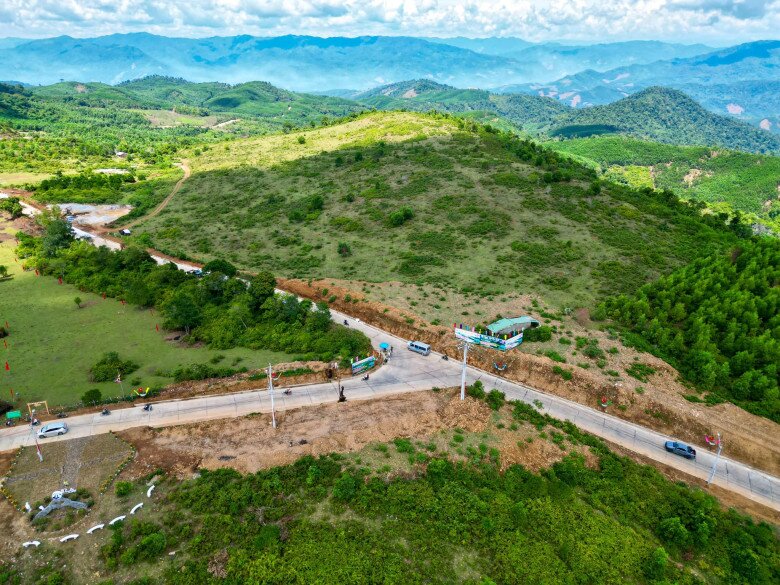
x=105, y=412
x=445, y=358
x=346, y=323
x=62, y=415
x=147, y=407
x=288, y=391
x=365, y=378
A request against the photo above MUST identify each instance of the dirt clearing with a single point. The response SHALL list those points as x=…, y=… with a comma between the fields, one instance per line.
x=249, y=444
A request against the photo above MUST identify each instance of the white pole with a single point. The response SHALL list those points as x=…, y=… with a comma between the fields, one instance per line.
x=271, y=390
x=463, y=372
x=715, y=463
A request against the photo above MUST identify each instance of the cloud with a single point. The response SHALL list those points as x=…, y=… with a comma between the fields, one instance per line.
x=717, y=21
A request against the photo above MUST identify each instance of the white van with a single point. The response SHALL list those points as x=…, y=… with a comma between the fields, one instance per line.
x=52, y=429
x=419, y=347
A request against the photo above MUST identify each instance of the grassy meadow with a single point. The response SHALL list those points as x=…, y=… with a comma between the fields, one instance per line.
x=421, y=199
x=53, y=343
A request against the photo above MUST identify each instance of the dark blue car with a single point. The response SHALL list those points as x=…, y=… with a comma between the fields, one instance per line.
x=680, y=449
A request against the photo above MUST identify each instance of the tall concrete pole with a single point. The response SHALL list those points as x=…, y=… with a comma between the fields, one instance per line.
x=463, y=371
x=715, y=463
x=271, y=391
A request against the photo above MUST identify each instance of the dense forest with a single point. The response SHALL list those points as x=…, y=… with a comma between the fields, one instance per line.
x=219, y=309
x=717, y=320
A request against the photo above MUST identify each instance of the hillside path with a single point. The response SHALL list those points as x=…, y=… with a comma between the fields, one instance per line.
x=185, y=166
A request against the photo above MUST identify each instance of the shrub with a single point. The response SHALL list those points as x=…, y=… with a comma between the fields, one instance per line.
x=344, y=488
x=401, y=216
x=344, y=249
x=476, y=390
x=543, y=333
x=555, y=356
x=123, y=488
x=111, y=365
x=92, y=396
x=495, y=399
x=640, y=371
x=565, y=374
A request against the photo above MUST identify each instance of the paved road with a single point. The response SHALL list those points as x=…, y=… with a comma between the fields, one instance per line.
x=411, y=372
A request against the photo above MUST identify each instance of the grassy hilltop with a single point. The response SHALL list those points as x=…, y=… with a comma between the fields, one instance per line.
x=425, y=198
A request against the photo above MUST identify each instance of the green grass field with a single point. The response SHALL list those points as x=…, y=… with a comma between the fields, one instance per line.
x=53, y=343
x=481, y=219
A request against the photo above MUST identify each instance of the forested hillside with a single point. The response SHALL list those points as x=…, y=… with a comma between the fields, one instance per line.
x=717, y=320
x=725, y=179
x=668, y=116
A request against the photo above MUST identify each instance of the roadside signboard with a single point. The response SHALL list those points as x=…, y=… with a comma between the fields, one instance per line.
x=499, y=343
x=363, y=365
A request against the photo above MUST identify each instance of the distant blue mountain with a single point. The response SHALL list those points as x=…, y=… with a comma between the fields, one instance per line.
x=741, y=81
x=315, y=64
x=296, y=62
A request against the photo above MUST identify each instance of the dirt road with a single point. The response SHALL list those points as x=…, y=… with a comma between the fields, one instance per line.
x=185, y=166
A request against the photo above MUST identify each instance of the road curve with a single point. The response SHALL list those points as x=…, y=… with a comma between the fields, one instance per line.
x=407, y=372
x=410, y=372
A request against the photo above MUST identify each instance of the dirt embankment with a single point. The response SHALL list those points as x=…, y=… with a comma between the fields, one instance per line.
x=249, y=444
x=660, y=405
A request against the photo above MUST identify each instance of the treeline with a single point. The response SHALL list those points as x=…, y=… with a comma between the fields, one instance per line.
x=85, y=187
x=718, y=321
x=447, y=522
x=219, y=309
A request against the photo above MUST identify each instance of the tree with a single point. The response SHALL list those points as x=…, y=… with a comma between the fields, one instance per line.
x=222, y=266
x=181, y=311
x=261, y=288
x=77, y=300
x=58, y=236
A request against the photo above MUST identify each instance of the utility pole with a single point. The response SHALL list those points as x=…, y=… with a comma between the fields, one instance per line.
x=463, y=371
x=271, y=391
x=715, y=463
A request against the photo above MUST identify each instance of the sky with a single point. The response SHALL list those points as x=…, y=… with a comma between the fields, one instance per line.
x=717, y=22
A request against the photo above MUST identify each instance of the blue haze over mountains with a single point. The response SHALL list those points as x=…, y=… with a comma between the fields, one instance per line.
x=741, y=81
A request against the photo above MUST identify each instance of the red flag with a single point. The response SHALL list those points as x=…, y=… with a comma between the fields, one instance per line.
x=122, y=301
x=104, y=295
x=5, y=343
x=12, y=393
x=38, y=448
x=7, y=367
x=156, y=326
x=59, y=279
x=36, y=272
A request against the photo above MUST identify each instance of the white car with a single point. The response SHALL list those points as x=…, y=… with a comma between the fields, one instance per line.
x=52, y=430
